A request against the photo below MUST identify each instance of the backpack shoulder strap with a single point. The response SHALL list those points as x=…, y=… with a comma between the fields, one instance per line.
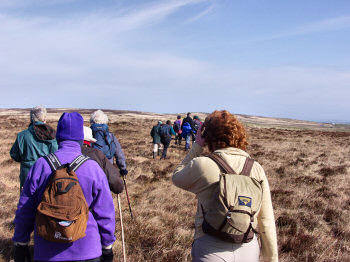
x=77, y=162
x=249, y=162
x=53, y=161
x=221, y=163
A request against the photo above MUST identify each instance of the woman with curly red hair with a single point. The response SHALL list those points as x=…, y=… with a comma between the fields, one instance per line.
x=226, y=138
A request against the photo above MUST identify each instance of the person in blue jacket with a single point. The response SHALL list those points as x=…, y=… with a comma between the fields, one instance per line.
x=100, y=230
x=166, y=132
x=36, y=141
x=187, y=130
x=106, y=141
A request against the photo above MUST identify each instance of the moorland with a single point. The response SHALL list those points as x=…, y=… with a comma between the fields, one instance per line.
x=307, y=165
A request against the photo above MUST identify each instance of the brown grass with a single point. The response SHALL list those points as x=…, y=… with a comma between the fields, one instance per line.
x=308, y=172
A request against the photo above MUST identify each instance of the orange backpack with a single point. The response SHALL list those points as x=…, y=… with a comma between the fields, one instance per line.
x=63, y=213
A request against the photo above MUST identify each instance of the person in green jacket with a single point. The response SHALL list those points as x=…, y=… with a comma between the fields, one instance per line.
x=155, y=134
x=36, y=141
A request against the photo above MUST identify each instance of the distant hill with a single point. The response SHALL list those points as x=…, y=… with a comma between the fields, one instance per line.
x=252, y=121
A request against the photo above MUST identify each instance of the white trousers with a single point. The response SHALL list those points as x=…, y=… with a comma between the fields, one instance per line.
x=155, y=148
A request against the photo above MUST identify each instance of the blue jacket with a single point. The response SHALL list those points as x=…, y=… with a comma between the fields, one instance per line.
x=36, y=141
x=101, y=223
x=119, y=154
x=117, y=150
x=167, y=131
x=186, y=129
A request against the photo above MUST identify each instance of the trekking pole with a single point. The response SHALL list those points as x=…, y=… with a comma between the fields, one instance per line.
x=122, y=228
x=127, y=196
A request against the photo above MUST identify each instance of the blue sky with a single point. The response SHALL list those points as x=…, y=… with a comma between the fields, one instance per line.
x=268, y=58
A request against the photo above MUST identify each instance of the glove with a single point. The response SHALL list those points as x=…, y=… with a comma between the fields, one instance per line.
x=199, y=139
x=123, y=172
x=107, y=255
x=21, y=253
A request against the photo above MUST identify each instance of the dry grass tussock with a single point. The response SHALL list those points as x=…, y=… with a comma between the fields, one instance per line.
x=308, y=172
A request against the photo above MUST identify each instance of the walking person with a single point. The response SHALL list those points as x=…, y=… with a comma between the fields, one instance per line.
x=226, y=138
x=155, y=134
x=196, y=124
x=114, y=180
x=187, y=128
x=177, y=129
x=36, y=141
x=92, y=183
x=106, y=141
x=166, y=132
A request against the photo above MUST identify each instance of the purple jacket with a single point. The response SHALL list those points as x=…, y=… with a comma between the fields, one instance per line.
x=101, y=224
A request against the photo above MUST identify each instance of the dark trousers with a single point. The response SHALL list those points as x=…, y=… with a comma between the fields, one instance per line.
x=166, y=143
x=178, y=138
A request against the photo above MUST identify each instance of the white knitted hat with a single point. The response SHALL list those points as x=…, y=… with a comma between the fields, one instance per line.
x=88, y=135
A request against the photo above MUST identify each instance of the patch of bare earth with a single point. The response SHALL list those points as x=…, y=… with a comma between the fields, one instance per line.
x=308, y=172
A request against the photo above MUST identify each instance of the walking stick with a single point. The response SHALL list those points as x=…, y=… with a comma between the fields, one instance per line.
x=127, y=196
x=122, y=228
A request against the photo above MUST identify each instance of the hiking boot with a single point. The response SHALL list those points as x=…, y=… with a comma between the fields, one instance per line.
x=154, y=155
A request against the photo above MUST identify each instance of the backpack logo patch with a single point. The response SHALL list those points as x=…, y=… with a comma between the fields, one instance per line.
x=58, y=235
x=244, y=201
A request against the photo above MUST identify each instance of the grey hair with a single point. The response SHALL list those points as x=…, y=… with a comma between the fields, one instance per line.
x=38, y=113
x=99, y=117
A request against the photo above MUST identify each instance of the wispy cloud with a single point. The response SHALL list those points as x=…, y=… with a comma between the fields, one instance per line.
x=151, y=13
x=330, y=24
x=205, y=12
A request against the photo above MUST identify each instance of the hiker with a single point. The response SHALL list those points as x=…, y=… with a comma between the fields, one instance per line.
x=196, y=123
x=177, y=129
x=36, y=141
x=187, y=128
x=155, y=134
x=106, y=141
x=226, y=138
x=166, y=132
x=114, y=180
x=100, y=224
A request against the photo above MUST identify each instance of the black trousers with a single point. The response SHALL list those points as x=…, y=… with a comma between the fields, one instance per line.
x=178, y=138
x=166, y=143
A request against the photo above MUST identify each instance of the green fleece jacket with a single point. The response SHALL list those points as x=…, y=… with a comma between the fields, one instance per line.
x=36, y=141
x=200, y=175
x=155, y=134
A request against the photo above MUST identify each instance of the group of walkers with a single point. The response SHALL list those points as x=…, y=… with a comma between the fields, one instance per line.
x=75, y=165
x=86, y=157
x=182, y=129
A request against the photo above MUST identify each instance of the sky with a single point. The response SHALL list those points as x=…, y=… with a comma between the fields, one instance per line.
x=267, y=58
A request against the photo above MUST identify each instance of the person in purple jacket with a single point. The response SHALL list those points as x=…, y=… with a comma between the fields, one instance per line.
x=97, y=243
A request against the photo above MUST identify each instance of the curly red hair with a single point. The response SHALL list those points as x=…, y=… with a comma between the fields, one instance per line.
x=222, y=129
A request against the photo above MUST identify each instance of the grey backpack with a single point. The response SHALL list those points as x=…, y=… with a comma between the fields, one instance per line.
x=235, y=202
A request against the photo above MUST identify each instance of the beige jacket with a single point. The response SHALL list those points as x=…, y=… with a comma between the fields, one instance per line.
x=200, y=175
